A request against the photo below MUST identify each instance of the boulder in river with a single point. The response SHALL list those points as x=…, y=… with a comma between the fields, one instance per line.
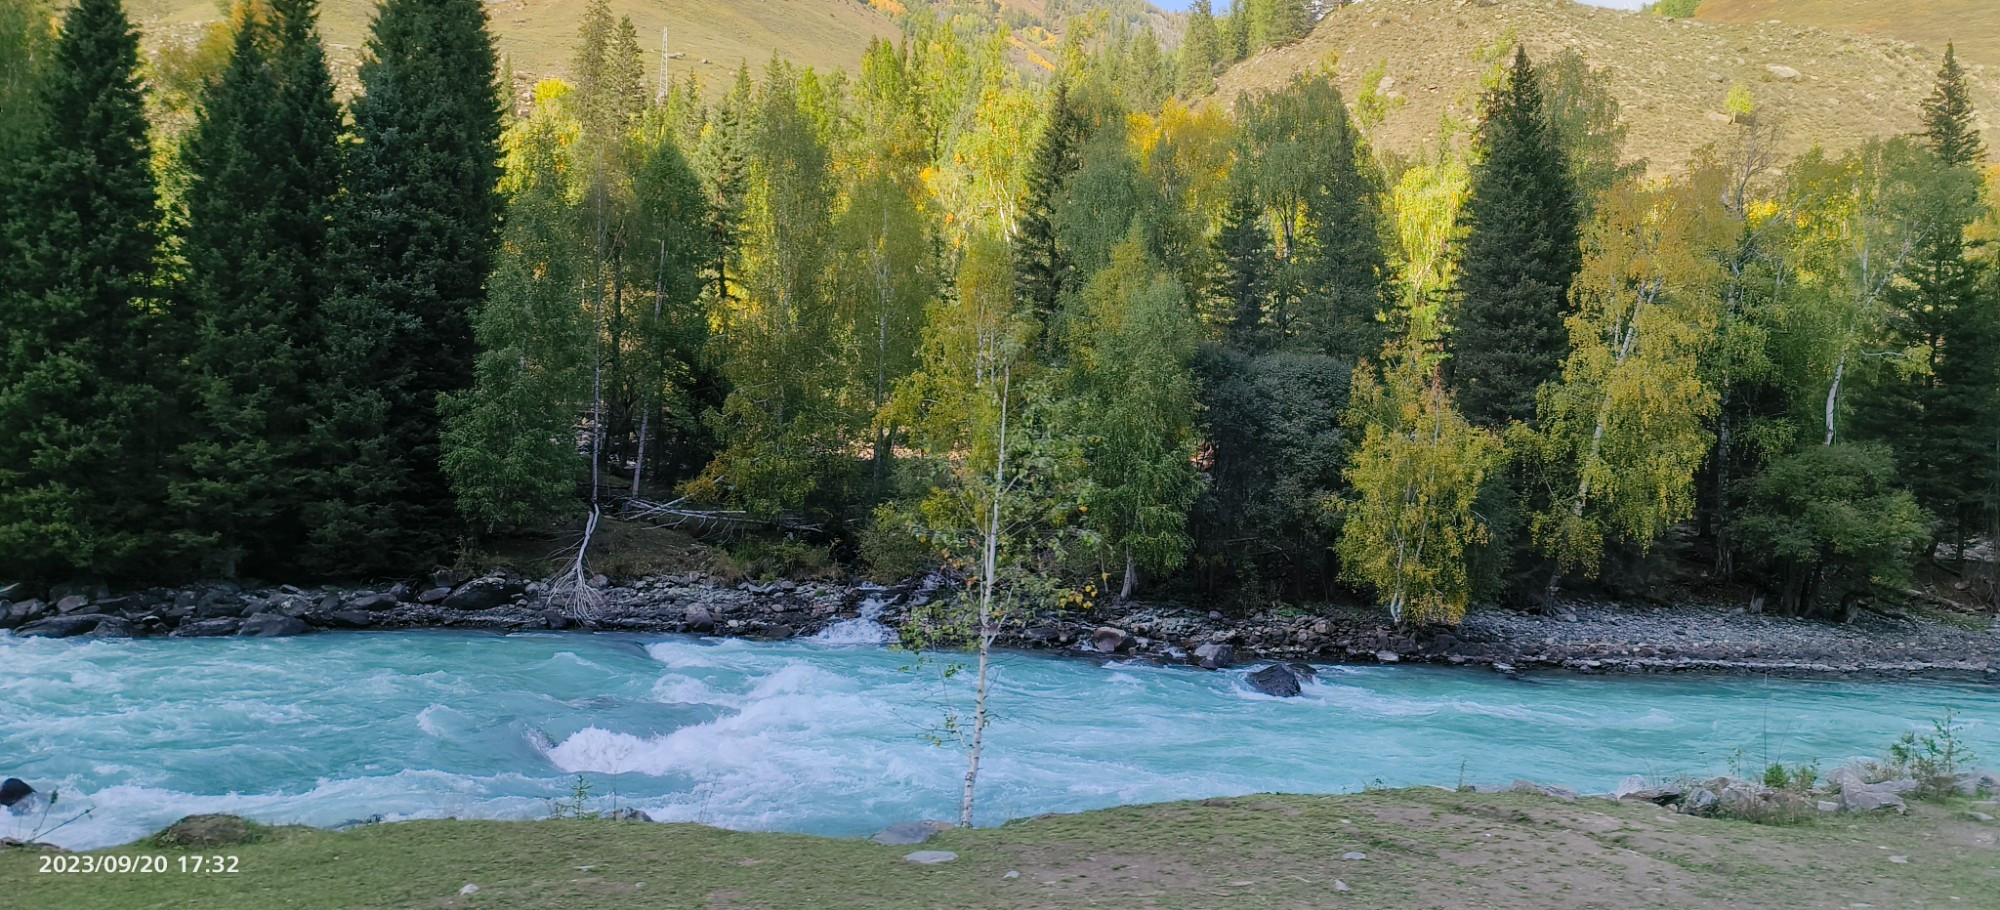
x=218, y=627
x=77, y=624
x=14, y=791
x=1110, y=639
x=1277, y=679
x=272, y=625
x=1214, y=655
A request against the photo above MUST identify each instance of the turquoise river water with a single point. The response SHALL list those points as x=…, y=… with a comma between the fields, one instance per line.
x=834, y=736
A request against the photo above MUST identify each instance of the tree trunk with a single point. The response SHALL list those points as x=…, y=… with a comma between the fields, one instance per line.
x=1131, y=578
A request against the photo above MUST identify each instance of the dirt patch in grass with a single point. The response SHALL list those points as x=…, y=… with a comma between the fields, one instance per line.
x=1424, y=849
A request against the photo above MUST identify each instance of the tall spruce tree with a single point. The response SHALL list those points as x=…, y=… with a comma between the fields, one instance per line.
x=1344, y=264
x=25, y=43
x=1948, y=120
x=1201, y=50
x=86, y=420
x=1243, y=259
x=1521, y=254
x=413, y=244
x=263, y=172
x=1043, y=272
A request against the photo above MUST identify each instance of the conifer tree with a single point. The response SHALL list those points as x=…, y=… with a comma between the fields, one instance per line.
x=1520, y=255
x=1201, y=50
x=1243, y=256
x=86, y=421
x=1948, y=116
x=413, y=243
x=1345, y=264
x=263, y=172
x=25, y=43
x=1042, y=268
x=673, y=247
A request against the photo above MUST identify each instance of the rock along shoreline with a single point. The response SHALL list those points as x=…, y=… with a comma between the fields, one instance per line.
x=1578, y=636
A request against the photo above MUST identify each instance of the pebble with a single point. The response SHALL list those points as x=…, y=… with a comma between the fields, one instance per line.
x=1339, y=885
x=469, y=889
x=931, y=857
x=1011, y=874
x=1900, y=860
x=1354, y=855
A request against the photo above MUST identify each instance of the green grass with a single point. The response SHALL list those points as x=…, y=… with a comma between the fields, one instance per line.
x=1425, y=848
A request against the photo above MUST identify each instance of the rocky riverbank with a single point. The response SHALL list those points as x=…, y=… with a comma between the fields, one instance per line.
x=1584, y=637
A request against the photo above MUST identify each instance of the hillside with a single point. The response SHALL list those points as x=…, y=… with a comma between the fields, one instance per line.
x=1973, y=24
x=708, y=38
x=1670, y=76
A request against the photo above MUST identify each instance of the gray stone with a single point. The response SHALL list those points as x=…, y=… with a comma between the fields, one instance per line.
x=1658, y=796
x=1978, y=816
x=1110, y=639
x=272, y=625
x=1354, y=855
x=700, y=619
x=209, y=628
x=372, y=602
x=931, y=857
x=113, y=627
x=1528, y=786
x=1870, y=798
x=1276, y=679
x=434, y=595
x=1387, y=657
x=628, y=815
x=904, y=834
x=484, y=593
x=1339, y=885
x=1630, y=785
x=1974, y=783
x=1901, y=787
x=350, y=619
x=72, y=604
x=1740, y=798
x=1699, y=802
x=1782, y=72
x=1214, y=655
x=65, y=626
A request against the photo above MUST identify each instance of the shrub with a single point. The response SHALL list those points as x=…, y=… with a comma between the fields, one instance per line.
x=1933, y=759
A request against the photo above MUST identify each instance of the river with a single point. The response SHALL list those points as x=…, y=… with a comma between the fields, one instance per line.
x=835, y=736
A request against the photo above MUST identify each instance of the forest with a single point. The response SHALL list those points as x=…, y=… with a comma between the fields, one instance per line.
x=1151, y=341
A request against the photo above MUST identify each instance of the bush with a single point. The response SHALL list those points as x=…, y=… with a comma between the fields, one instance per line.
x=1674, y=9
x=1827, y=524
x=1933, y=759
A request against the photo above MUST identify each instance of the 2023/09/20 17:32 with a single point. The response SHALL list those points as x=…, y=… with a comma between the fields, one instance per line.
x=139, y=864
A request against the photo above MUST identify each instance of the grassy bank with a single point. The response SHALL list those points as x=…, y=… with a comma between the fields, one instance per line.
x=1424, y=848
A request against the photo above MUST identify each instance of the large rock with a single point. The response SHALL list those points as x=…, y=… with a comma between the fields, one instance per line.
x=350, y=619
x=74, y=625
x=1870, y=798
x=1214, y=655
x=22, y=613
x=1530, y=787
x=700, y=619
x=207, y=831
x=484, y=593
x=14, y=791
x=272, y=625
x=372, y=602
x=1781, y=72
x=1700, y=802
x=1110, y=639
x=219, y=627
x=1976, y=783
x=1277, y=679
x=75, y=603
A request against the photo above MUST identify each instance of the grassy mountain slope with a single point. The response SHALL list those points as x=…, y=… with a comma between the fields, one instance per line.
x=708, y=38
x=1670, y=76
x=1974, y=24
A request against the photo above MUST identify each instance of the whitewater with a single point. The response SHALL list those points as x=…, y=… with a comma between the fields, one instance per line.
x=838, y=735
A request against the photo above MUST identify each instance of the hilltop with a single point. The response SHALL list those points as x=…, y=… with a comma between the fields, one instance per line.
x=1670, y=76
x=707, y=39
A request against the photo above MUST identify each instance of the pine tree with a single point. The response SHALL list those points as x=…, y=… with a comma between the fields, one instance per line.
x=1243, y=256
x=1948, y=120
x=413, y=244
x=263, y=173
x=1201, y=50
x=1520, y=255
x=673, y=247
x=25, y=43
x=1042, y=268
x=86, y=414
x=1344, y=265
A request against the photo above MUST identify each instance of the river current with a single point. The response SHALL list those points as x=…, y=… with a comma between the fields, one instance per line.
x=836, y=735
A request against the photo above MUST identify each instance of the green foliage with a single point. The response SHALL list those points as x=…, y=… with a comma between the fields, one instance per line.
x=86, y=397
x=1200, y=51
x=1673, y=9
x=1949, y=122
x=1827, y=524
x=1520, y=256
x=412, y=244
x=1934, y=759
x=510, y=440
x=263, y=172
x=1132, y=403
x=26, y=40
